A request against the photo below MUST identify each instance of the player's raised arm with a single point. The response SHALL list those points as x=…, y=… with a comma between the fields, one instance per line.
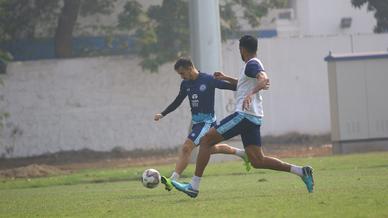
x=222, y=76
x=224, y=81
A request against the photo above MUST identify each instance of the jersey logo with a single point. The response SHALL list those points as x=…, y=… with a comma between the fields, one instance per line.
x=194, y=100
x=202, y=87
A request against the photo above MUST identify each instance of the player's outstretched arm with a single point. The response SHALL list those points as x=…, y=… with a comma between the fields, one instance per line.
x=221, y=76
x=174, y=105
x=158, y=117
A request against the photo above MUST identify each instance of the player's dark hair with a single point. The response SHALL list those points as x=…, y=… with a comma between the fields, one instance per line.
x=183, y=62
x=249, y=43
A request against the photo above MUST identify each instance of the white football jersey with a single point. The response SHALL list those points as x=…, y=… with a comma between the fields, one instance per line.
x=244, y=86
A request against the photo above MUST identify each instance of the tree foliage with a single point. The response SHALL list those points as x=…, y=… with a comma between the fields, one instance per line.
x=162, y=31
x=380, y=7
x=20, y=19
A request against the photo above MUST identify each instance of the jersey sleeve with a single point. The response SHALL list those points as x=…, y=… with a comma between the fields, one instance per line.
x=253, y=68
x=178, y=101
x=221, y=84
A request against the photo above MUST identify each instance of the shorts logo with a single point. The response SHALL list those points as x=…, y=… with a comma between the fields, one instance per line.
x=192, y=134
x=202, y=87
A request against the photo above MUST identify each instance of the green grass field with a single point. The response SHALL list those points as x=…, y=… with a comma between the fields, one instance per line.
x=346, y=186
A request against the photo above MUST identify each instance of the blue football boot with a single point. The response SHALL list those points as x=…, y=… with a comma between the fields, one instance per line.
x=185, y=188
x=308, y=178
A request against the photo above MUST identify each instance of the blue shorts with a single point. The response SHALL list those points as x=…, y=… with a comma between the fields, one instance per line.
x=241, y=124
x=198, y=130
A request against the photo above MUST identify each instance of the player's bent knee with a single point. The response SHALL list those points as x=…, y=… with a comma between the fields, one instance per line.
x=206, y=140
x=257, y=162
x=211, y=138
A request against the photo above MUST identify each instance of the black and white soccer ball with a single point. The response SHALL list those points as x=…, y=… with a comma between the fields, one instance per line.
x=150, y=178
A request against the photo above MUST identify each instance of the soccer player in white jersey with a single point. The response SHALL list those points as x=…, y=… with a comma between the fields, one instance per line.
x=246, y=121
x=199, y=89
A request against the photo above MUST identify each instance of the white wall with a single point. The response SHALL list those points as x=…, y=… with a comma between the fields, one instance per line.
x=298, y=99
x=324, y=17
x=96, y=103
x=100, y=103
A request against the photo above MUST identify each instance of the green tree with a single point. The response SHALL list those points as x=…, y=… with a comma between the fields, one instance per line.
x=20, y=19
x=380, y=7
x=162, y=34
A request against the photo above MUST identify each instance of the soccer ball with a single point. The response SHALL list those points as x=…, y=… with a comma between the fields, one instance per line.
x=150, y=178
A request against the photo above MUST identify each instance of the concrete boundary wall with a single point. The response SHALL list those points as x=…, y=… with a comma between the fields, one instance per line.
x=95, y=103
x=106, y=102
x=298, y=100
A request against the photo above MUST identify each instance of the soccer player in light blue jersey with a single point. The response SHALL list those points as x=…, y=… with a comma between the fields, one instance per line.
x=199, y=88
x=246, y=121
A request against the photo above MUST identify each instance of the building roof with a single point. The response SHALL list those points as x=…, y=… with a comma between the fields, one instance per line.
x=355, y=56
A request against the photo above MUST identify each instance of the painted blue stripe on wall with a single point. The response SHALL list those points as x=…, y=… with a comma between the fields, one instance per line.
x=44, y=48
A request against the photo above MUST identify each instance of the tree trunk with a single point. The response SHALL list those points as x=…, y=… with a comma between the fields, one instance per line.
x=64, y=31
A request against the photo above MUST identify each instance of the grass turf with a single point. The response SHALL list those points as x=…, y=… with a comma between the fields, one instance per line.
x=346, y=186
